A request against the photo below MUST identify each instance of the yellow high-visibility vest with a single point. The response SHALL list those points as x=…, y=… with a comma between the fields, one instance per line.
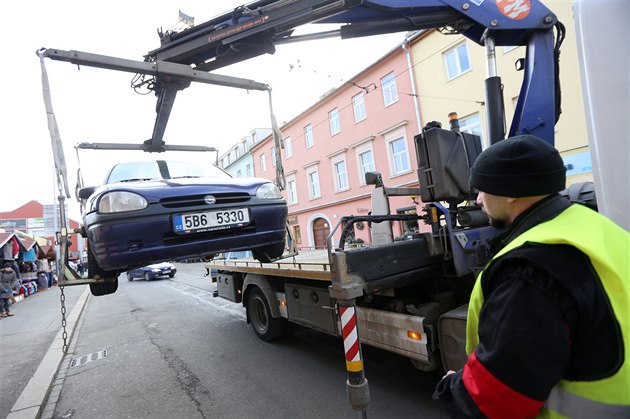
x=608, y=247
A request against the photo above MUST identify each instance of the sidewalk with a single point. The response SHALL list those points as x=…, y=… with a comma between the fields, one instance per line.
x=31, y=346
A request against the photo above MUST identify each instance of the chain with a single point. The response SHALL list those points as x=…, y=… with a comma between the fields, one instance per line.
x=62, y=297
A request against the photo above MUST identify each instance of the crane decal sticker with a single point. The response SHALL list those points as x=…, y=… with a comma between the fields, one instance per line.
x=514, y=9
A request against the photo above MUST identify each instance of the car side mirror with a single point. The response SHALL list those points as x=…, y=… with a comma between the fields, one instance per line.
x=85, y=193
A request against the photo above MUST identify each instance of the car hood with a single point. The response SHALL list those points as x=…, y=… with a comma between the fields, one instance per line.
x=165, y=188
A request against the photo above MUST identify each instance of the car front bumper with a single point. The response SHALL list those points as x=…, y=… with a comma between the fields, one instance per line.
x=145, y=237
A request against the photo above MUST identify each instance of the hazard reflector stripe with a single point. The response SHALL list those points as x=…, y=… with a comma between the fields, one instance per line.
x=350, y=336
x=354, y=366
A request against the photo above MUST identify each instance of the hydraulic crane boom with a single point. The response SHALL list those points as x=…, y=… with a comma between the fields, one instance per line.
x=256, y=28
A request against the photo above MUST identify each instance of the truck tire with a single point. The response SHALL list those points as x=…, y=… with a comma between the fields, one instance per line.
x=268, y=253
x=265, y=326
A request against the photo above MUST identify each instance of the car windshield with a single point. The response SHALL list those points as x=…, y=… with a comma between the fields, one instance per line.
x=162, y=169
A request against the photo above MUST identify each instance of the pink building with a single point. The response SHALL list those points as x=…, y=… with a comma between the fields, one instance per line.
x=368, y=124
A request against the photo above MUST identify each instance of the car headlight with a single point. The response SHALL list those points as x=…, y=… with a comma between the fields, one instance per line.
x=121, y=201
x=268, y=191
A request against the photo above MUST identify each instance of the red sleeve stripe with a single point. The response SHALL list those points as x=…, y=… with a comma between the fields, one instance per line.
x=493, y=398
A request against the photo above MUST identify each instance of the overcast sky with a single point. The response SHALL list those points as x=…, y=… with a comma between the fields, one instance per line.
x=97, y=105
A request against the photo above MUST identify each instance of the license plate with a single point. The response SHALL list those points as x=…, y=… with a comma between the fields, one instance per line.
x=210, y=220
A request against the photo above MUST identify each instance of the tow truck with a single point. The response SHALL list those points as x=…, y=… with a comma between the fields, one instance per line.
x=407, y=297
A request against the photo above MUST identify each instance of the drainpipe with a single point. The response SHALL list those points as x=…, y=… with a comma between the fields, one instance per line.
x=416, y=100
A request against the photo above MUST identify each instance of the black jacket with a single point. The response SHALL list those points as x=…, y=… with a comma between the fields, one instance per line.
x=545, y=317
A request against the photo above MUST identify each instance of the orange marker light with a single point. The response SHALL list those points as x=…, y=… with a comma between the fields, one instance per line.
x=411, y=334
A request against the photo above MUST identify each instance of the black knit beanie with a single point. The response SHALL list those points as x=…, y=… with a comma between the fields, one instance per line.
x=519, y=166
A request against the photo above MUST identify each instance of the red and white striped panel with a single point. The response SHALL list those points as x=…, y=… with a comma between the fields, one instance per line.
x=350, y=339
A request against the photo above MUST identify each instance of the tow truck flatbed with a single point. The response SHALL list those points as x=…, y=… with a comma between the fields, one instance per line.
x=311, y=264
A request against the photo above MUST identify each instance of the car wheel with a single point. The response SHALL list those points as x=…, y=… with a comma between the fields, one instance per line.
x=147, y=277
x=171, y=274
x=265, y=326
x=104, y=288
x=94, y=271
x=268, y=253
x=129, y=277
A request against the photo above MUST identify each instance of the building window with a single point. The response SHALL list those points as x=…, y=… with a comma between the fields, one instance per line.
x=308, y=135
x=288, y=150
x=313, y=182
x=358, y=103
x=399, y=156
x=410, y=226
x=472, y=125
x=273, y=156
x=297, y=234
x=390, y=91
x=248, y=170
x=341, y=174
x=457, y=61
x=238, y=173
x=333, y=118
x=291, y=190
x=263, y=163
x=366, y=164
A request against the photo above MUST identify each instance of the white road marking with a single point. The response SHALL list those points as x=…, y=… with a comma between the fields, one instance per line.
x=223, y=306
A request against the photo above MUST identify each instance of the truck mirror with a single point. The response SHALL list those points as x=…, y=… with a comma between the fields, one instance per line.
x=373, y=178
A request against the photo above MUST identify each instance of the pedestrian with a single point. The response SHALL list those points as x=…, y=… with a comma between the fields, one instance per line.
x=80, y=267
x=548, y=329
x=8, y=283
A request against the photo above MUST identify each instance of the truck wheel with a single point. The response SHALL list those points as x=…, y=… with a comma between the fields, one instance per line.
x=265, y=326
x=268, y=253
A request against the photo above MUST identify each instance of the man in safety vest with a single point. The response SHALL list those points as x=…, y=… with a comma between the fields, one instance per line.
x=548, y=331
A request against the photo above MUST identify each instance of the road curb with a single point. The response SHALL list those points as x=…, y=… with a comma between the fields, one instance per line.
x=33, y=398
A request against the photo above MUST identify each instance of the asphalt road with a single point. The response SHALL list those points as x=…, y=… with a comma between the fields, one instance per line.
x=168, y=349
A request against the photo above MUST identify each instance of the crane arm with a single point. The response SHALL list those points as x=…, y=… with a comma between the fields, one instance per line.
x=256, y=28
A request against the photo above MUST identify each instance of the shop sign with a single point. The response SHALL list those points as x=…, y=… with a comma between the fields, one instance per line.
x=13, y=224
x=292, y=220
x=36, y=223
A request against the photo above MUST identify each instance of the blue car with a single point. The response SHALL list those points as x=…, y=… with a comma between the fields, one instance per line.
x=153, y=211
x=154, y=271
